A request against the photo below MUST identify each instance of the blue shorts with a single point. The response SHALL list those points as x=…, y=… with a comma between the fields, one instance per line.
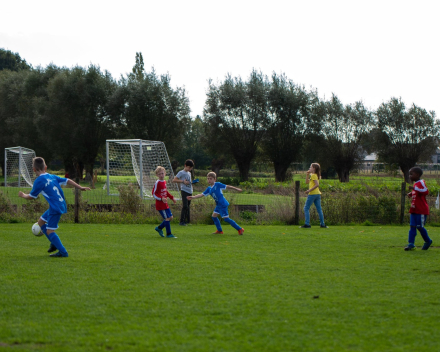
x=166, y=213
x=51, y=219
x=223, y=211
x=417, y=220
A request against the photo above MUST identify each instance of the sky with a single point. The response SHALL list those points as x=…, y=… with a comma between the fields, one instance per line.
x=367, y=51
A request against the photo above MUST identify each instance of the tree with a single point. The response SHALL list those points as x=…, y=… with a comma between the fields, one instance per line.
x=286, y=124
x=12, y=61
x=407, y=136
x=76, y=121
x=235, y=115
x=342, y=129
x=152, y=109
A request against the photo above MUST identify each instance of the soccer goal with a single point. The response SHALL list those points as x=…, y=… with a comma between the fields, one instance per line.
x=18, y=167
x=134, y=161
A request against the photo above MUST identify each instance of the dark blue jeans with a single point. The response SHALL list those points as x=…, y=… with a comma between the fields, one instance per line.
x=313, y=199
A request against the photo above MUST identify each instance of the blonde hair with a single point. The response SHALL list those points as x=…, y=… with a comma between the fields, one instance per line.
x=212, y=174
x=317, y=168
x=38, y=163
x=159, y=169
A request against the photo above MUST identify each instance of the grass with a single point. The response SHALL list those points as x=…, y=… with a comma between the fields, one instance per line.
x=277, y=288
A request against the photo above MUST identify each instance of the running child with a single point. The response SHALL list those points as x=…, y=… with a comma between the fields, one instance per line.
x=215, y=190
x=419, y=210
x=50, y=187
x=161, y=194
x=184, y=178
x=313, y=195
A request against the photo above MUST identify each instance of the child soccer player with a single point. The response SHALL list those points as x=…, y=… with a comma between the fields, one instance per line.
x=184, y=178
x=215, y=189
x=49, y=186
x=313, y=195
x=418, y=211
x=160, y=193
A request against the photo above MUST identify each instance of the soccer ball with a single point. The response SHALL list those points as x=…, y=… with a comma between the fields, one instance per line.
x=36, y=230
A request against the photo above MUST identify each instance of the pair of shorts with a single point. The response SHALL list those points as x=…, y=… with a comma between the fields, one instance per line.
x=51, y=219
x=166, y=213
x=417, y=220
x=223, y=211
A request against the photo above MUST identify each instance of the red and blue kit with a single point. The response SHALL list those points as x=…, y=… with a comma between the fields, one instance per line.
x=160, y=191
x=418, y=201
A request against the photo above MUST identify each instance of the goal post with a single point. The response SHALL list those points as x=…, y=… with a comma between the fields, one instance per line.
x=134, y=161
x=18, y=167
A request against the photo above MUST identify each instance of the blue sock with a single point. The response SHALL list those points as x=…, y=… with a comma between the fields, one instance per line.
x=232, y=223
x=424, y=234
x=168, y=227
x=55, y=240
x=412, y=235
x=217, y=223
x=43, y=229
x=161, y=226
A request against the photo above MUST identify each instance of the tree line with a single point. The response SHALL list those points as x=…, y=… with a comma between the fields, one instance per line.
x=68, y=113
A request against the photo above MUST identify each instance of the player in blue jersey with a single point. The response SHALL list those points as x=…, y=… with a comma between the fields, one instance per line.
x=215, y=190
x=50, y=187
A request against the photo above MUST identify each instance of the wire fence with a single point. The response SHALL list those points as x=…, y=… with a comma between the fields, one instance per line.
x=371, y=199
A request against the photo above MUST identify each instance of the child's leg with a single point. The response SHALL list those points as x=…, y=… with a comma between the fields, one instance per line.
x=307, y=206
x=232, y=223
x=422, y=229
x=217, y=223
x=412, y=235
x=55, y=240
x=184, y=206
x=319, y=209
x=168, y=226
x=188, y=217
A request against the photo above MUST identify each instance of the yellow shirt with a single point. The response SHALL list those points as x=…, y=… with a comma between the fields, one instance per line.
x=314, y=177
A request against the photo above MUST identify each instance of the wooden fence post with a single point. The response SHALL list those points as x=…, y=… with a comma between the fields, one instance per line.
x=296, y=218
x=402, y=201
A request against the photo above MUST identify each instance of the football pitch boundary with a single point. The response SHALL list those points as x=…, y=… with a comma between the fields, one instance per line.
x=276, y=288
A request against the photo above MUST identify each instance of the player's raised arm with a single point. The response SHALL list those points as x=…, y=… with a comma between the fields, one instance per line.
x=74, y=184
x=234, y=188
x=196, y=196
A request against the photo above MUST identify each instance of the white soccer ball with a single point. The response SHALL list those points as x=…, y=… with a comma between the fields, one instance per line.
x=36, y=230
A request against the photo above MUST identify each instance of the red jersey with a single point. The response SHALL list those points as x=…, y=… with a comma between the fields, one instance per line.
x=418, y=201
x=160, y=191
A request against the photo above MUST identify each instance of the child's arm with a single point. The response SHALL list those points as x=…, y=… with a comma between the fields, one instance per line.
x=234, y=188
x=24, y=195
x=169, y=195
x=195, y=197
x=74, y=184
x=307, y=177
x=178, y=180
x=314, y=187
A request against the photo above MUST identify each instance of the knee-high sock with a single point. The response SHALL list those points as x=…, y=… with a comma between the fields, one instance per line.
x=217, y=223
x=163, y=224
x=412, y=235
x=55, y=240
x=232, y=223
x=424, y=234
x=44, y=230
x=168, y=227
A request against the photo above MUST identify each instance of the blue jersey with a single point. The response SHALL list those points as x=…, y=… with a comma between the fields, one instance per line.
x=216, y=192
x=49, y=186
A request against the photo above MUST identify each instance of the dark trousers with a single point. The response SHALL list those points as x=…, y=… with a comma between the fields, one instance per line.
x=185, y=214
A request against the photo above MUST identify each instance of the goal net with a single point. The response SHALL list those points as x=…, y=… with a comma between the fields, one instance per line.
x=134, y=161
x=18, y=167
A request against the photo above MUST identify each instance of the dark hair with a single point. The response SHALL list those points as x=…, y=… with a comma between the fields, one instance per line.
x=317, y=168
x=417, y=170
x=38, y=163
x=189, y=162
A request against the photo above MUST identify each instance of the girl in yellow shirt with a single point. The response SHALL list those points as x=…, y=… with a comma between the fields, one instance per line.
x=313, y=195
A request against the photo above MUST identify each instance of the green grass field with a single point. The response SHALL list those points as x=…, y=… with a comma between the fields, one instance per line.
x=277, y=288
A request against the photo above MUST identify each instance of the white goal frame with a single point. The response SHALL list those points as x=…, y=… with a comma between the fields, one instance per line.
x=138, y=159
x=18, y=164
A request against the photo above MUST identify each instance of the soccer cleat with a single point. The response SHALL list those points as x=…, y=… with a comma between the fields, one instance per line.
x=241, y=231
x=159, y=231
x=171, y=236
x=324, y=227
x=182, y=224
x=426, y=245
x=58, y=255
x=52, y=248
x=305, y=226
x=217, y=233
x=410, y=247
